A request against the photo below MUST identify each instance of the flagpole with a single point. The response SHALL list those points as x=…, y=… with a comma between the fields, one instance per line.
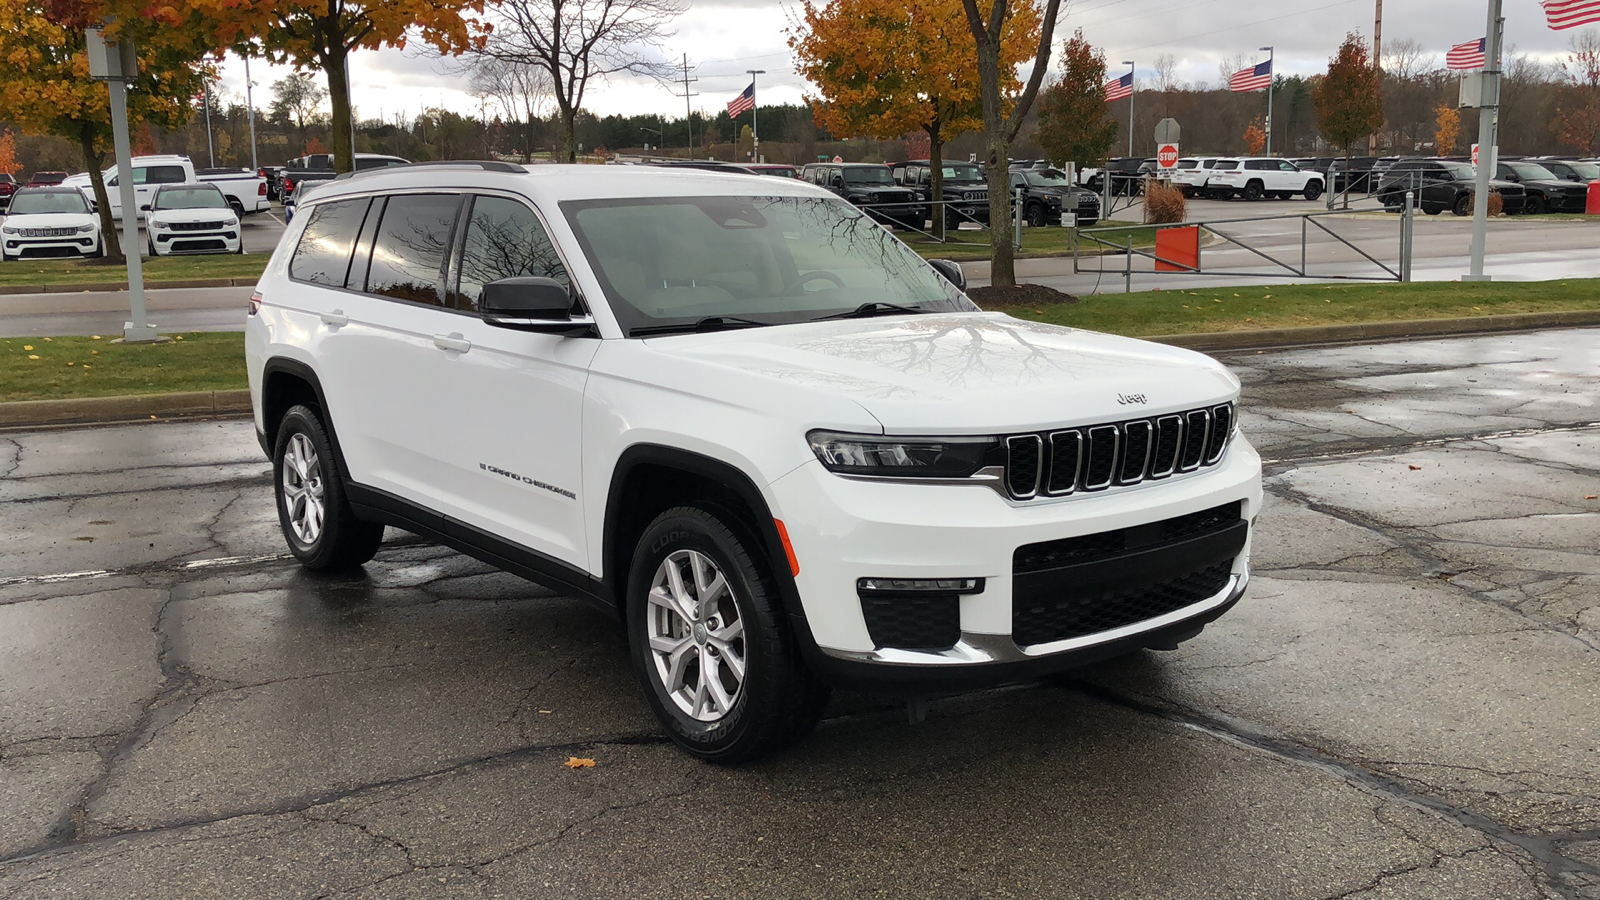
x=755, y=133
x=1488, y=114
x=1131, y=86
x=1272, y=72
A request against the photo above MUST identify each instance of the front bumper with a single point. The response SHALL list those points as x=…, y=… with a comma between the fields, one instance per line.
x=15, y=247
x=180, y=243
x=843, y=530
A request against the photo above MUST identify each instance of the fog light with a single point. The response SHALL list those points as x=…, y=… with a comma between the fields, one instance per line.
x=921, y=585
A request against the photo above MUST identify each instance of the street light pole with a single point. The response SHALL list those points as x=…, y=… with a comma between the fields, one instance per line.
x=250, y=105
x=1272, y=72
x=755, y=133
x=1488, y=126
x=1132, y=86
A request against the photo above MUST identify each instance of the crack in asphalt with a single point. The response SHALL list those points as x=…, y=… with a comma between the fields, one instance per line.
x=16, y=456
x=1385, y=446
x=250, y=481
x=1545, y=850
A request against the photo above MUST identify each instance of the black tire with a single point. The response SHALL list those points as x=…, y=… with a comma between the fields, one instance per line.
x=1313, y=190
x=1538, y=205
x=99, y=251
x=1253, y=191
x=342, y=541
x=151, y=246
x=1463, y=205
x=778, y=701
x=1036, y=215
x=1432, y=210
x=238, y=209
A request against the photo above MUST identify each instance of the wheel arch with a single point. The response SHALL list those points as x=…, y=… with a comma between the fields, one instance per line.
x=286, y=383
x=650, y=478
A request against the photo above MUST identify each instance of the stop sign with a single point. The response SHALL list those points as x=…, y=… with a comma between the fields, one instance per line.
x=1167, y=156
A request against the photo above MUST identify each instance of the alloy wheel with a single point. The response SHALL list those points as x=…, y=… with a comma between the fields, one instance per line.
x=303, y=493
x=696, y=635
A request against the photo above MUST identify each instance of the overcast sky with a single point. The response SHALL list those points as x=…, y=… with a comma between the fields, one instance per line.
x=723, y=38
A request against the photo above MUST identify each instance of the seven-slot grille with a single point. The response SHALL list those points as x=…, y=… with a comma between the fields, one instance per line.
x=195, y=226
x=1097, y=457
x=975, y=195
x=49, y=232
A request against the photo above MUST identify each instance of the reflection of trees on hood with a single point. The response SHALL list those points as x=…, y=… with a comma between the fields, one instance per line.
x=953, y=350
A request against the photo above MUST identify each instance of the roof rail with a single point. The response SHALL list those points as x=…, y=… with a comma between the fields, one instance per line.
x=487, y=165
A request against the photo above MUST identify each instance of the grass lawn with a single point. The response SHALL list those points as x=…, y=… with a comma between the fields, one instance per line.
x=43, y=368
x=167, y=268
x=1291, y=306
x=1046, y=241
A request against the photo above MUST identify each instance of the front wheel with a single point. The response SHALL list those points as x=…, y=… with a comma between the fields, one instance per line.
x=1463, y=205
x=313, y=511
x=1538, y=205
x=1313, y=190
x=1036, y=216
x=710, y=643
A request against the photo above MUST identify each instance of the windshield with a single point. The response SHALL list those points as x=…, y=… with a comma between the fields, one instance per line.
x=1586, y=171
x=28, y=203
x=1048, y=178
x=190, y=198
x=960, y=173
x=1532, y=172
x=778, y=172
x=868, y=175
x=1459, y=171
x=676, y=260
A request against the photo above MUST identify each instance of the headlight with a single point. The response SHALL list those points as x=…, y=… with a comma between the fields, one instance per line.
x=9, y=230
x=897, y=457
x=158, y=223
x=230, y=222
x=85, y=229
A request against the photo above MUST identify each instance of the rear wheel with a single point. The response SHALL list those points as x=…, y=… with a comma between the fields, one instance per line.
x=313, y=511
x=1432, y=210
x=1253, y=191
x=710, y=643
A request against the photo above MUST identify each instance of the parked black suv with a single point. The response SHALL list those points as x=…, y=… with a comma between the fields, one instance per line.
x=1572, y=169
x=1547, y=191
x=962, y=187
x=1442, y=184
x=1358, y=177
x=1126, y=173
x=870, y=187
x=1046, y=194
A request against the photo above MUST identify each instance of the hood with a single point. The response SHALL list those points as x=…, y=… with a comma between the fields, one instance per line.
x=76, y=180
x=192, y=215
x=967, y=373
x=1554, y=187
x=52, y=220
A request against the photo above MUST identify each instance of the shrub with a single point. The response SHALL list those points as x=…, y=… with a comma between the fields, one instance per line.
x=1164, y=204
x=1497, y=204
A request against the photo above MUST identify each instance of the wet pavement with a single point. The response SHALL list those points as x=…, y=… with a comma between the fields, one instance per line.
x=1406, y=705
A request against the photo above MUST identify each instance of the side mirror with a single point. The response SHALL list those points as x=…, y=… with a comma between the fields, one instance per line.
x=530, y=303
x=144, y=207
x=838, y=182
x=951, y=270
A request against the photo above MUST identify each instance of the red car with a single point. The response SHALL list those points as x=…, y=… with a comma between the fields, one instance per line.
x=8, y=186
x=46, y=179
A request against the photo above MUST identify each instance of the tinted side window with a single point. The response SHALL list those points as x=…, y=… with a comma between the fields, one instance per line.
x=504, y=240
x=323, y=254
x=166, y=175
x=409, y=249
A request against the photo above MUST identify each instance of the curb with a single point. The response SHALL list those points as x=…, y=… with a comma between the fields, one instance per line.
x=1273, y=338
x=102, y=410
x=235, y=403
x=96, y=287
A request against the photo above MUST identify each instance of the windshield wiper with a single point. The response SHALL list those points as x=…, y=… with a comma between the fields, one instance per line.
x=709, y=323
x=868, y=310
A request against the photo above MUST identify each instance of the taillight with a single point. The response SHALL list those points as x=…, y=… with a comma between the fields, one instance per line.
x=261, y=189
x=288, y=186
x=255, y=302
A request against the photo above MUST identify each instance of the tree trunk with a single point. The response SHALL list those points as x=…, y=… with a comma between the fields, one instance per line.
x=336, y=64
x=1349, y=178
x=1002, y=262
x=936, y=179
x=568, y=138
x=92, y=160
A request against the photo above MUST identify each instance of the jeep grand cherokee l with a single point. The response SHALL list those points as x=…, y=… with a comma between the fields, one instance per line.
x=785, y=451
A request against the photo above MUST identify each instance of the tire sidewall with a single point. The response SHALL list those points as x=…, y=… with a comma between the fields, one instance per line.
x=300, y=420
x=738, y=555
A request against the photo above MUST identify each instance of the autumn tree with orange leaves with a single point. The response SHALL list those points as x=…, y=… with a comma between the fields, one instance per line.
x=320, y=34
x=1446, y=129
x=45, y=86
x=882, y=68
x=1349, y=99
x=1255, y=138
x=8, y=153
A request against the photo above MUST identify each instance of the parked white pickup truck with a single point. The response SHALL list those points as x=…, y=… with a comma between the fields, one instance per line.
x=246, y=191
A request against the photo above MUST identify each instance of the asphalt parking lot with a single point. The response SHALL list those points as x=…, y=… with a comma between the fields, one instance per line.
x=1406, y=705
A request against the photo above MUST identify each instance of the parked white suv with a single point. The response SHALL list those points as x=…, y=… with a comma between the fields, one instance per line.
x=191, y=218
x=1255, y=178
x=49, y=222
x=1191, y=173
x=783, y=449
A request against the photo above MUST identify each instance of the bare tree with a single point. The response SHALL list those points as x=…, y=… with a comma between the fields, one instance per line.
x=517, y=91
x=295, y=98
x=1166, y=79
x=576, y=41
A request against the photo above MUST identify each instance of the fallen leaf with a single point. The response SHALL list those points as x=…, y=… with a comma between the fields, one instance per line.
x=1591, y=496
x=1267, y=297
x=71, y=363
x=27, y=346
x=95, y=336
x=579, y=762
x=33, y=356
x=546, y=712
x=177, y=337
x=1416, y=468
x=95, y=352
x=47, y=339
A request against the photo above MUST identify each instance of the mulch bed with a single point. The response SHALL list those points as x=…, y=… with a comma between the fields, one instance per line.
x=1035, y=295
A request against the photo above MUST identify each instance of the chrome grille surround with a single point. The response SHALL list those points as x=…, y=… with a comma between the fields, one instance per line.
x=1119, y=454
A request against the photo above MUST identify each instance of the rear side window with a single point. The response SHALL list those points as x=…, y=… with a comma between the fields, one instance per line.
x=504, y=240
x=323, y=254
x=410, y=246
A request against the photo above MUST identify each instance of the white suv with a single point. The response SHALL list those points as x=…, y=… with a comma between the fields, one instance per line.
x=783, y=449
x=1260, y=177
x=1191, y=174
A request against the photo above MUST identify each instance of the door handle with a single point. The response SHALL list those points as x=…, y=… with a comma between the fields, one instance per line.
x=335, y=318
x=452, y=341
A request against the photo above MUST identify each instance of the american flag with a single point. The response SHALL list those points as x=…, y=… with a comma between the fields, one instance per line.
x=1564, y=14
x=1471, y=55
x=1255, y=78
x=1119, y=88
x=744, y=102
